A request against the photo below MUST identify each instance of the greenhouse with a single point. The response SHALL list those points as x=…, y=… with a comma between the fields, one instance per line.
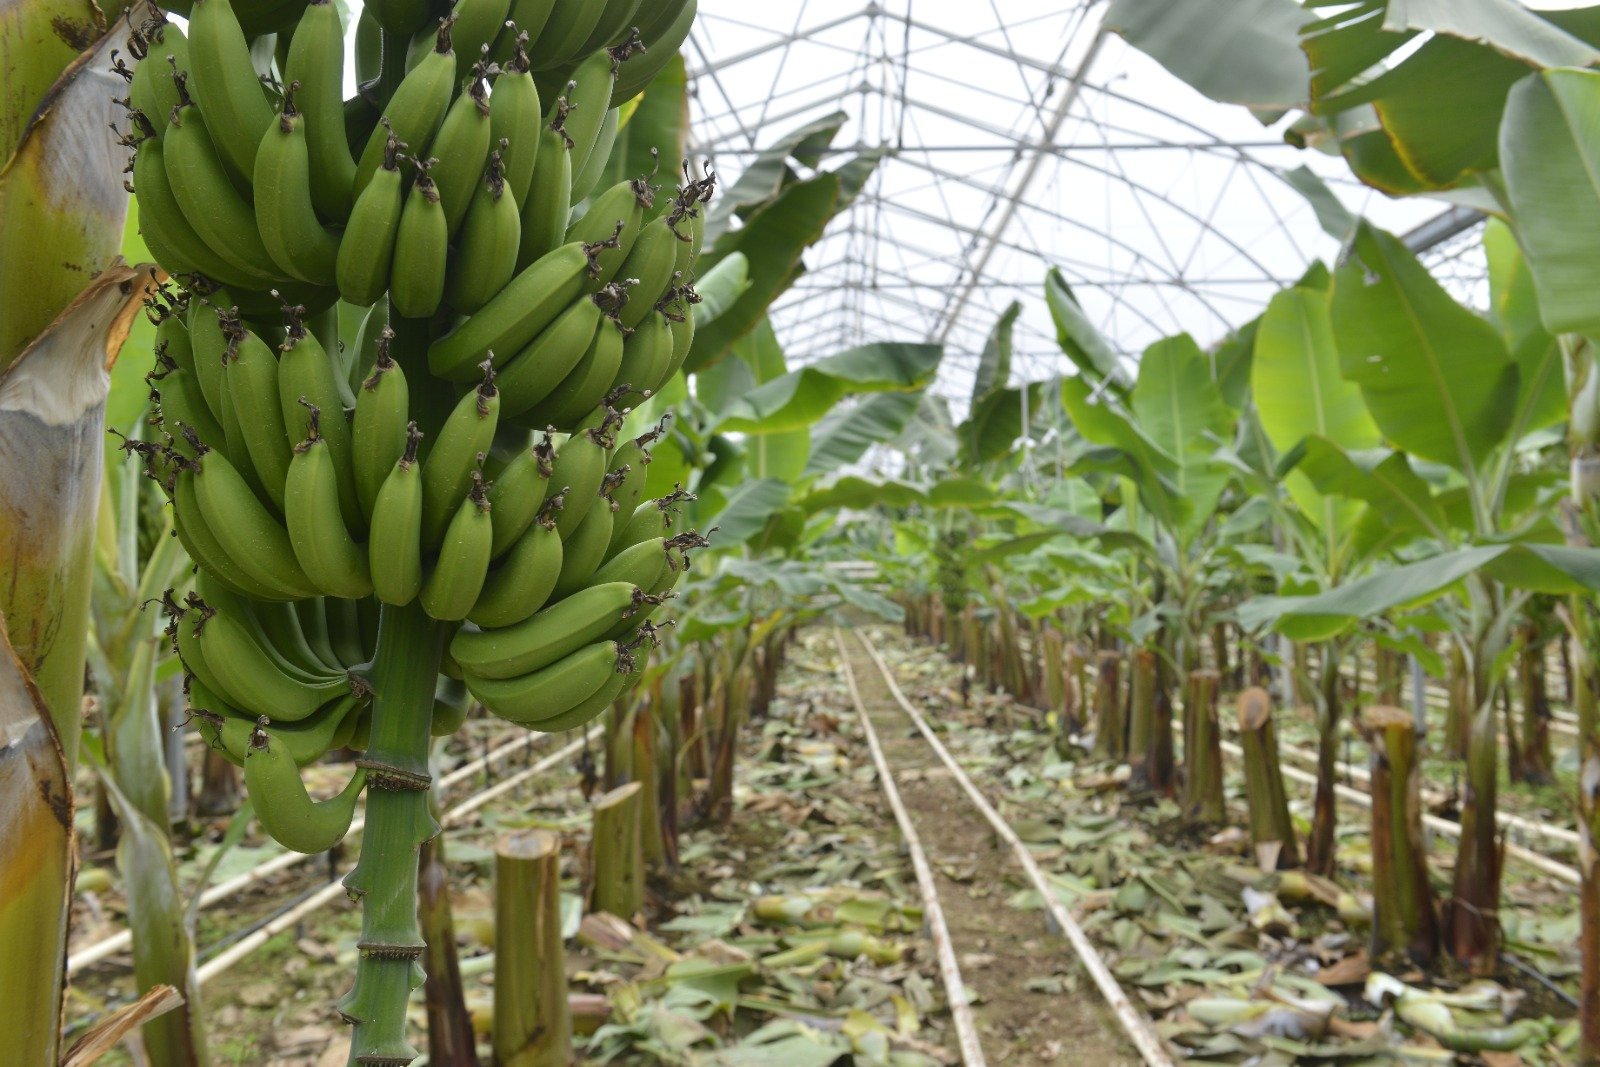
x=545, y=532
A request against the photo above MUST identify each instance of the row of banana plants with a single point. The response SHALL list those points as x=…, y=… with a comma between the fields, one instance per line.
x=1368, y=458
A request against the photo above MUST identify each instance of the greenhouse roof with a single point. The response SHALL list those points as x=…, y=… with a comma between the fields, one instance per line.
x=1016, y=135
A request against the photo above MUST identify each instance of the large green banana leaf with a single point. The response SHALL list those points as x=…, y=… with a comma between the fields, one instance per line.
x=1299, y=393
x=1435, y=376
x=1551, y=145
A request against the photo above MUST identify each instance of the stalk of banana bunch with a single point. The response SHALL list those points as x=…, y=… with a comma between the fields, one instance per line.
x=444, y=506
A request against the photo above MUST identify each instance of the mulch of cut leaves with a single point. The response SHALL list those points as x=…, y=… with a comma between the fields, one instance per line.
x=1238, y=965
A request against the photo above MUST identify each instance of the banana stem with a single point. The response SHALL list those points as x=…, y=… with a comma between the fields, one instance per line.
x=404, y=672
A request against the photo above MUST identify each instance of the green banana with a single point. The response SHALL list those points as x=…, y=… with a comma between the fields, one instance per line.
x=616, y=23
x=382, y=424
x=415, y=111
x=586, y=385
x=582, y=553
x=515, y=122
x=651, y=264
x=396, y=556
x=655, y=18
x=612, y=221
x=548, y=635
x=587, y=176
x=401, y=18
x=548, y=692
x=297, y=242
x=639, y=564
x=525, y=22
x=583, y=712
x=205, y=195
x=457, y=453
x=462, y=146
x=451, y=703
x=655, y=518
x=167, y=230
x=367, y=248
x=518, y=494
x=316, y=62
x=682, y=325
x=688, y=221
x=452, y=587
x=486, y=256
x=523, y=581
x=580, y=467
x=252, y=386
x=477, y=24
x=549, y=358
x=279, y=626
x=569, y=25
x=161, y=47
x=421, y=251
x=344, y=630
x=225, y=83
x=284, y=807
x=288, y=652
x=252, y=678
x=184, y=630
x=548, y=203
x=251, y=535
x=206, y=551
x=314, y=624
x=359, y=357
x=527, y=304
x=183, y=404
x=646, y=359
x=305, y=372
x=588, y=97
x=328, y=554
x=632, y=461
x=229, y=731
x=662, y=44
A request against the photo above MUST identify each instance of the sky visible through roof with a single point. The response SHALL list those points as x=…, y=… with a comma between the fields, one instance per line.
x=1018, y=136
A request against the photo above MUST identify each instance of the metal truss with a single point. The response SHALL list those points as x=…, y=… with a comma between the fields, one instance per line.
x=1016, y=136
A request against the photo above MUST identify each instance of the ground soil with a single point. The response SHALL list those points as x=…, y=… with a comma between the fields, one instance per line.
x=1004, y=952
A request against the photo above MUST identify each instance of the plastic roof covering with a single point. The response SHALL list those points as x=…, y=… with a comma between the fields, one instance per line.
x=1018, y=135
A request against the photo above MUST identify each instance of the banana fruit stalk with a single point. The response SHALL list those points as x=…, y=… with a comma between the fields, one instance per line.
x=446, y=496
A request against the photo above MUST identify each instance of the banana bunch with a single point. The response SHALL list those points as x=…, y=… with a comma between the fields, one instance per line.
x=458, y=191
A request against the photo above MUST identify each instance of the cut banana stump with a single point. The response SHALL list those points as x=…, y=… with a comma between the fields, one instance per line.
x=441, y=511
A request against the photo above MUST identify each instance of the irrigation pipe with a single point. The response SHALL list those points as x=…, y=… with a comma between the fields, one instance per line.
x=949, y=969
x=1533, y=859
x=122, y=940
x=1133, y=1022
x=1505, y=818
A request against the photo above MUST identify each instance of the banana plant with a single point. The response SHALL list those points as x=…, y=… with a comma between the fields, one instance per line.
x=1477, y=106
x=69, y=302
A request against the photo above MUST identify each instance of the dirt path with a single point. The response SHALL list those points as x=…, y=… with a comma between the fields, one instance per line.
x=1035, y=1004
